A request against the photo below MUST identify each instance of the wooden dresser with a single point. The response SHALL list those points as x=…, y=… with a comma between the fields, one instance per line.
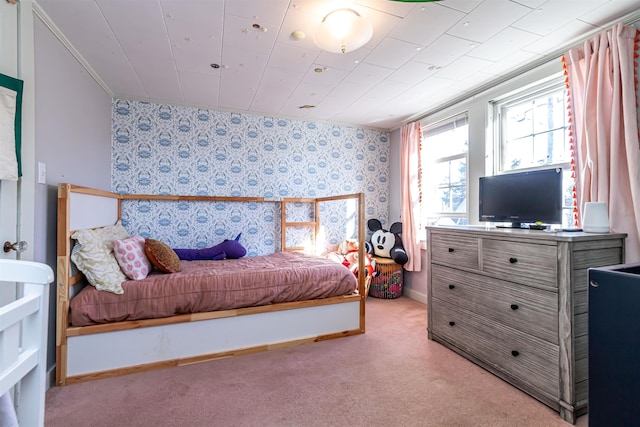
x=515, y=302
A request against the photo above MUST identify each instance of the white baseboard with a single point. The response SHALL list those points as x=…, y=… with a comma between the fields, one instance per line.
x=418, y=296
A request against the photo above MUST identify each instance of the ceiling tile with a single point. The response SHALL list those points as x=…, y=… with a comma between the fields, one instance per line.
x=368, y=74
x=344, y=61
x=568, y=34
x=239, y=34
x=259, y=11
x=554, y=14
x=610, y=11
x=269, y=99
x=380, y=95
x=505, y=43
x=465, y=6
x=200, y=89
x=328, y=77
x=292, y=57
x=412, y=72
x=488, y=19
x=531, y=3
x=444, y=50
x=426, y=24
x=462, y=68
x=392, y=53
x=515, y=60
x=306, y=94
x=281, y=77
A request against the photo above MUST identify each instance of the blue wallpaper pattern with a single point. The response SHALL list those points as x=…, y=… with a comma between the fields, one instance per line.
x=177, y=150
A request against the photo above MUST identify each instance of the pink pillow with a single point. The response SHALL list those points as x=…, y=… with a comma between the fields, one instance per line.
x=131, y=257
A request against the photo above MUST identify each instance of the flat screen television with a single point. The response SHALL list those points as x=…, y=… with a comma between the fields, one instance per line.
x=522, y=197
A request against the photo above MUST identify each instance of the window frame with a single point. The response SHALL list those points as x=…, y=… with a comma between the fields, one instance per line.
x=428, y=215
x=496, y=118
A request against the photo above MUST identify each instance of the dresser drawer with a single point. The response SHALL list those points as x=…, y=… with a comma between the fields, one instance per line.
x=454, y=250
x=527, y=263
x=528, y=359
x=530, y=310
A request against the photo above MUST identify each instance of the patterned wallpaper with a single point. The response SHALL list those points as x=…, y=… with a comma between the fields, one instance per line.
x=165, y=149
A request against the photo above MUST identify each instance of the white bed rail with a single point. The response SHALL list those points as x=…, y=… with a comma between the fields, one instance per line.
x=23, y=342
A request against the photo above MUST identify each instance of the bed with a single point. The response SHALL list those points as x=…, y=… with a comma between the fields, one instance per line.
x=23, y=343
x=178, y=328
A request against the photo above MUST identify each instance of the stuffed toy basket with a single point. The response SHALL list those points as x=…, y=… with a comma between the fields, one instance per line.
x=389, y=281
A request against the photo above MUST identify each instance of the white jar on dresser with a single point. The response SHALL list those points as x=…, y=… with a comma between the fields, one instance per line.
x=515, y=302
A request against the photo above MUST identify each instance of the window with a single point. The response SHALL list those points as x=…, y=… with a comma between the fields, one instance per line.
x=532, y=133
x=445, y=145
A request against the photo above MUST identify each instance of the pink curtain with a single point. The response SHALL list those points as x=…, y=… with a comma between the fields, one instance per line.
x=410, y=192
x=602, y=93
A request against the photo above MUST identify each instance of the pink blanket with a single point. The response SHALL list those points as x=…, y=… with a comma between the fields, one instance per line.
x=204, y=286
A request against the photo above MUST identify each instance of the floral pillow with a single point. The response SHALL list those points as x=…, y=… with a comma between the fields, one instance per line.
x=131, y=257
x=93, y=255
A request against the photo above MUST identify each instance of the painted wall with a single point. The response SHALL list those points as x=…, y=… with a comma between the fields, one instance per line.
x=164, y=149
x=73, y=140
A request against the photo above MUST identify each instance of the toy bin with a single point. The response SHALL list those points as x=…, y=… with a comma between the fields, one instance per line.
x=388, y=283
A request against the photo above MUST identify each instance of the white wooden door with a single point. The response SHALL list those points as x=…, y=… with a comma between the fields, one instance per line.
x=8, y=189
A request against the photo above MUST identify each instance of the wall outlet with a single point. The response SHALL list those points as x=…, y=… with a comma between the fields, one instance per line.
x=42, y=173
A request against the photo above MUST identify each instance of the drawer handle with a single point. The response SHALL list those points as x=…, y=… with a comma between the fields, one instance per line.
x=514, y=306
x=452, y=286
x=452, y=323
x=451, y=249
x=513, y=260
x=515, y=353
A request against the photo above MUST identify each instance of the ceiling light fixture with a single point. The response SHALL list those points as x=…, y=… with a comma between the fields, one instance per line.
x=342, y=31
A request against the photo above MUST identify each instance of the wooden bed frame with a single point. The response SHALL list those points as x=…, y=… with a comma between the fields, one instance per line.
x=86, y=353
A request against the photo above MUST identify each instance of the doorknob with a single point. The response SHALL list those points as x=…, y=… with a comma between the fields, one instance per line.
x=20, y=246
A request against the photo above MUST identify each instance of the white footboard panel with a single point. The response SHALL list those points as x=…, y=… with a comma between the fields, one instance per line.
x=23, y=343
x=116, y=350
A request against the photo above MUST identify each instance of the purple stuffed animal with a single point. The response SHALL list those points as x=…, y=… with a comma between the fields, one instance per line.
x=229, y=249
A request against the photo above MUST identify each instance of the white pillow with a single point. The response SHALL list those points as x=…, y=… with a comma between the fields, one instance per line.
x=131, y=257
x=93, y=255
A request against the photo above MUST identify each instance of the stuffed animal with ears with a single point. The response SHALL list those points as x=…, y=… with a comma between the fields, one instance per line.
x=347, y=255
x=351, y=262
x=386, y=243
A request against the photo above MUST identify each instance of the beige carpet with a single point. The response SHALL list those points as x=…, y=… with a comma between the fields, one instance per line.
x=391, y=376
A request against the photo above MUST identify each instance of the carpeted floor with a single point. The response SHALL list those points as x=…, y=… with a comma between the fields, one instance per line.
x=391, y=376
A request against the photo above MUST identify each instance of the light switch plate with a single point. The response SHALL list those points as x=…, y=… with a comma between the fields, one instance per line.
x=42, y=173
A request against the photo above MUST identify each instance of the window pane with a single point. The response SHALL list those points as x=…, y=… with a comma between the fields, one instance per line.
x=550, y=148
x=441, y=174
x=459, y=199
x=549, y=112
x=518, y=121
x=444, y=171
x=447, y=139
x=443, y=196
x=533, y=132
x=517, y=153
x=567, y=198
x=458, y=170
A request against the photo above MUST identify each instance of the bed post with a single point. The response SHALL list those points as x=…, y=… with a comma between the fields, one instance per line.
x=62, y=282
x=361, y=255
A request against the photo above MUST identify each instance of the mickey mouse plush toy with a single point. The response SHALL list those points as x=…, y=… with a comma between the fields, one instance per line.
x=386, y=244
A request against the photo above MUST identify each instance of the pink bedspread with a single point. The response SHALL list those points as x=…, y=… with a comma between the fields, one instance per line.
x=204, y=286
